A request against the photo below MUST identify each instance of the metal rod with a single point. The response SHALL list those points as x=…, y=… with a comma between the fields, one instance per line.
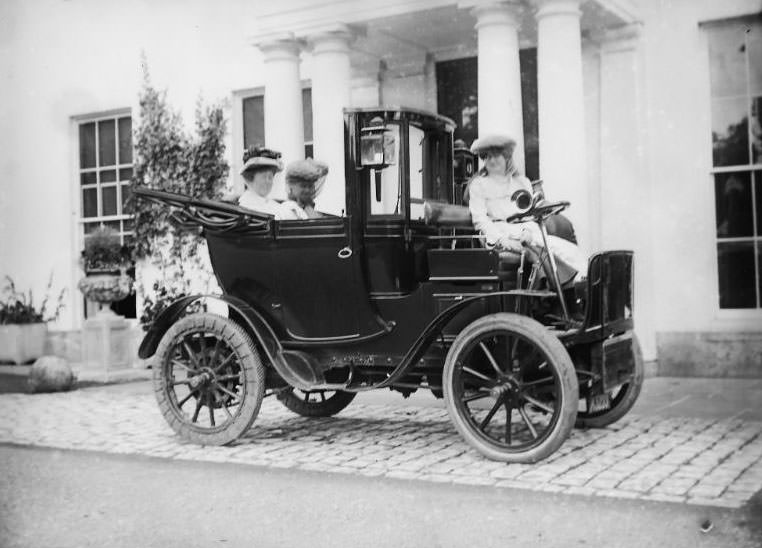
x=554, y=269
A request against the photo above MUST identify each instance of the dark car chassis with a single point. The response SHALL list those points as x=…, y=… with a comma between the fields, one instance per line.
x=321, y=309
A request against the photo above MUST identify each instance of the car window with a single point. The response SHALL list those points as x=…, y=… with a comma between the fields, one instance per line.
x=385, y=184
x=430, y=159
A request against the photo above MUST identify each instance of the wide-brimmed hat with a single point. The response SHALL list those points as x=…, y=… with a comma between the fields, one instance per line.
x=305, y=171
x=259, y=157
x=495, y=141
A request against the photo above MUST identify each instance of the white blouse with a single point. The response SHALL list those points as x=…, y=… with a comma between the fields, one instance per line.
x=490, y=201
x=251, y=200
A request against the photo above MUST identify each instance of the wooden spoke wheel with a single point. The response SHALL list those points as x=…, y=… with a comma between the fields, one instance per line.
x=208, y=379
x=510, y=388
x=620, y=399
x=316, y=403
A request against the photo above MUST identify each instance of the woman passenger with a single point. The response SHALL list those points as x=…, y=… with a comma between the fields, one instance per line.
x=258, y=172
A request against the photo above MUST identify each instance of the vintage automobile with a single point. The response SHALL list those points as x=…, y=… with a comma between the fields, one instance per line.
x=399, y=292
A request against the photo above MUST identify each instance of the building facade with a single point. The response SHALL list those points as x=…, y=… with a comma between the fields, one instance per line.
x=645, y=114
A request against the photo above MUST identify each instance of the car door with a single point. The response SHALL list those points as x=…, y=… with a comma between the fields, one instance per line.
x=320, y=282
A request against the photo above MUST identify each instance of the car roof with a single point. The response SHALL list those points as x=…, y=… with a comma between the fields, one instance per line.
x=415, y=112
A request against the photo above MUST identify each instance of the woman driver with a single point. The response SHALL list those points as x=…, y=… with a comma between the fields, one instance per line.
x=490, y=203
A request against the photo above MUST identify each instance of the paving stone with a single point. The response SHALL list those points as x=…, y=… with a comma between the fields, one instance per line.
x=649, y=458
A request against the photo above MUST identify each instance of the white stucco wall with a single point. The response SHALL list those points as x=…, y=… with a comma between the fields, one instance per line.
x=679, y=156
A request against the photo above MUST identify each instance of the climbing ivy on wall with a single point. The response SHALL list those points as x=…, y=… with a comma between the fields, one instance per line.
x=168, y=157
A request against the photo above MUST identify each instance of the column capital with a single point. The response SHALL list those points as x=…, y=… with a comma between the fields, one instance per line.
x=546, y=8
x=280, y=46
x=492, y=12
x=334, y=38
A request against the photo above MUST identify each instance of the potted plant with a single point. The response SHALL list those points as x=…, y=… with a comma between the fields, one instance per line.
x=105, y=261
x=23, y=326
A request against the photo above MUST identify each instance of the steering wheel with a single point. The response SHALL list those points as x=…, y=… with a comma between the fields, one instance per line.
x=540, y=211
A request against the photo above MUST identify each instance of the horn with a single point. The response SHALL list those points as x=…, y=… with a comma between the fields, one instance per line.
x=523, y=200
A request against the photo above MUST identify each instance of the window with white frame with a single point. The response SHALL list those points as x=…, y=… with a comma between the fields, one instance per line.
x=735, y=57
x=105, y=170
x=104, y=173
x=254, y=121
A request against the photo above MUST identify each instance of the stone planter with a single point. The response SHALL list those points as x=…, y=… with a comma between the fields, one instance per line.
x=105, y=288
x=106, y=336
x=21, y=343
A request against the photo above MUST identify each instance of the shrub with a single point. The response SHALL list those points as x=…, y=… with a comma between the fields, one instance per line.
x=104, y=251
x=17, y=307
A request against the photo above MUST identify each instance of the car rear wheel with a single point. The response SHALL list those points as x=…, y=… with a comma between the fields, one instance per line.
x=208, y=379
x=510, y=388
x=316, y=403
x=621, y=399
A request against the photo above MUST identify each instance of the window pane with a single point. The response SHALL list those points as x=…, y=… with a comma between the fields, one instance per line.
x=732, y=195
x=125, y=195
x=89, y=178
x=756, y=130
x=754, y=51
x=307, y=113
x=125, y=140
x=759, y=272
x=128, y=224
x=758, y=199
x=90, y=202
x=736, y=275
x=109, y=200
x=309, y=151
x=91, y=227
x=253, y=121
x=108, y=176
x=116, y=225
x=87, y=145
x=125, y=174
x=730, y=139
x=727, y=58
x=106, y=143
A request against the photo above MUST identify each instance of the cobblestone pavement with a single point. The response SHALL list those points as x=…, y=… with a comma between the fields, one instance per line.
x=688, y=460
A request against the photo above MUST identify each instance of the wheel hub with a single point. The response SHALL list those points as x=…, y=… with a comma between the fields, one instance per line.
x=203, y=380
x=508, y=389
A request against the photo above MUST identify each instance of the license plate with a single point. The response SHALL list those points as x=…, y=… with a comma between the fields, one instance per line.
x=598, y=403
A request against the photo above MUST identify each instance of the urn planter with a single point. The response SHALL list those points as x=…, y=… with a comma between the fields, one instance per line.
x=21, y=343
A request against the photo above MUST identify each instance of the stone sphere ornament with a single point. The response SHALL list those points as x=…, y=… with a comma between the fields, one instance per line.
x=50, y=374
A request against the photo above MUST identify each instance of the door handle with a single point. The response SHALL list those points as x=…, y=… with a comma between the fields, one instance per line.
x=345, y=253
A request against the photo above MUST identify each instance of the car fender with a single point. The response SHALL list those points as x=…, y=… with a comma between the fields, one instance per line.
x=242, y=313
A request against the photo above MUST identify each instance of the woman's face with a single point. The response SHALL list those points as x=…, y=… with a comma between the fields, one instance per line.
x=261, y=181
x=495, y=163
x=301, y=192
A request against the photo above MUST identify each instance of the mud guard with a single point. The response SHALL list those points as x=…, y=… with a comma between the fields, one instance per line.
x=251, y=321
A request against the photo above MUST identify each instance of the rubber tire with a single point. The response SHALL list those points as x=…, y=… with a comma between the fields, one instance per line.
x=251, y=365
x=556, y=354
x=327, y=408
x=632, y=391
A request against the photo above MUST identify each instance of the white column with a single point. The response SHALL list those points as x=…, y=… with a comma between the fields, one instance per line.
x=430, y=83
x=284, y=123
x=331, y=87
x=561, y=109
x=499, y=83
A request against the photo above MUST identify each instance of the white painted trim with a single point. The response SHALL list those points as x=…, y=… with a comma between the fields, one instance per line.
x=303, y=20
x=75, y=203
